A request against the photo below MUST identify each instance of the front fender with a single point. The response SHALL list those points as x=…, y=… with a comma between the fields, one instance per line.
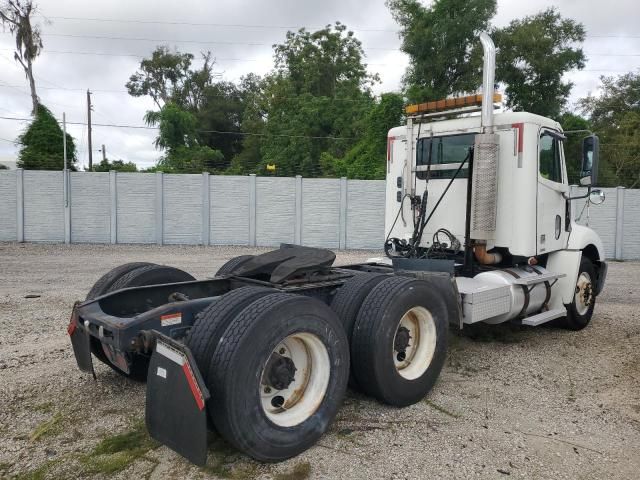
x=581, y=236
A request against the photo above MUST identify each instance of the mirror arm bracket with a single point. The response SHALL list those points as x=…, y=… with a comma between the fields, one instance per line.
x=579, y=197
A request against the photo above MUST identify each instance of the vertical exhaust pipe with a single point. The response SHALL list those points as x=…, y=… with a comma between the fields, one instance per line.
x=488, y=81
x=484, y=183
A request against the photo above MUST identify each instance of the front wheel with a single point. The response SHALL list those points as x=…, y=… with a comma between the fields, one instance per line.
x=580, y=311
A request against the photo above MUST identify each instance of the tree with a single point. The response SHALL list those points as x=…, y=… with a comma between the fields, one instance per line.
x=253, y=121
x=3, y=167
x=177, y=128
x=194, y=159
x=190, y=95
x=315, y=101
x=118, y=165
x=178, y=138
x=367, y=158
x=615, y=117
x=534, y=53
x=16, y=15
x=161, y=76
x=441, y=41
x=42, y=146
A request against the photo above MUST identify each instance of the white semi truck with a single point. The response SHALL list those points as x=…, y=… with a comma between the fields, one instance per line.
x=479, y=229
x=507, y=205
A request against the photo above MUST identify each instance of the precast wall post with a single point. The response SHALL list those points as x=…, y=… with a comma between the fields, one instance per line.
x=252, y=210
x=297, y=235
x=206, y=209
x=20, y=205
x=342, y=239
x=619, y=222
x=159, y=208
x=113, y=194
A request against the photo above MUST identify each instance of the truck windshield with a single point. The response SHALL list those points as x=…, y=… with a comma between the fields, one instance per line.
x=448, y=149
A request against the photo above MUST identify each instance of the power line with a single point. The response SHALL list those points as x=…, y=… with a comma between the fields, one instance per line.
x=125, y=92
x=164, y=40
x=235, y=59
x=225, y=42
x=110, y=54
x=201, y=24
x=222, y=132
x=263, y=26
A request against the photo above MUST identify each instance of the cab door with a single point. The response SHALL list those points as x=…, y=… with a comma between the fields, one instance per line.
x=552, y=231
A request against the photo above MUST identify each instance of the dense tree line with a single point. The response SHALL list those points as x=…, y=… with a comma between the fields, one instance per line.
x=315, y=113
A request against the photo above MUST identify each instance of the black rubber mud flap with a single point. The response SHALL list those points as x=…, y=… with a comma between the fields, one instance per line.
x=81, y=343
x=176, y=396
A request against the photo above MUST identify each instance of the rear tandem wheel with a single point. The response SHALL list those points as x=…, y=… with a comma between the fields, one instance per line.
x=135, y=274
x=399, y=341
x=279, y=376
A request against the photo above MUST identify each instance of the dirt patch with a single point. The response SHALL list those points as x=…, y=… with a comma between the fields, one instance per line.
x=511, y=401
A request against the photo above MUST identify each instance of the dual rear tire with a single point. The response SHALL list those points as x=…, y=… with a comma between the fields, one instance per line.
x=398, y=337
x=277, y=367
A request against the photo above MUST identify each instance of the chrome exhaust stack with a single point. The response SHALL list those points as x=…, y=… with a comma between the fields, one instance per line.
x=488, y=81
x=484, y=184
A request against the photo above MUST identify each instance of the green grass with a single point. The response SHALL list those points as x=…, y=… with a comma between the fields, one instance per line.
x=300, y=471
x=48, y=428
x=46, y=407
x=37, y=474
x=441, y=408
x=226, y=462
x=114, y=454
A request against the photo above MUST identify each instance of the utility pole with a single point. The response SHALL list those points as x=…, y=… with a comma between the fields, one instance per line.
x=89, y=130
x=104, y=153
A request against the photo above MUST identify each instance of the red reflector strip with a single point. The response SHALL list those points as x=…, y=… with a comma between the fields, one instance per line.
x=72, y=327
x=193, y=385
x=520, y=127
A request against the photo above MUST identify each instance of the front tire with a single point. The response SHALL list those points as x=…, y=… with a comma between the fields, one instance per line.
x=580, y=311
x=279, y=376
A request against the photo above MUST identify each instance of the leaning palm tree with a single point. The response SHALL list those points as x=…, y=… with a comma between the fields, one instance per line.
x=16, y=16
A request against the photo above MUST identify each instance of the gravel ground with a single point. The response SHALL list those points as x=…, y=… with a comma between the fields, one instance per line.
x=511, y=401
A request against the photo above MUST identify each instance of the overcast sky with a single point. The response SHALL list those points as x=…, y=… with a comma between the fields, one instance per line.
x=239, y=34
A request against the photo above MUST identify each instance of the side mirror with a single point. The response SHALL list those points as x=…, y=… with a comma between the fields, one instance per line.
x=590, y=155
x=597, y=197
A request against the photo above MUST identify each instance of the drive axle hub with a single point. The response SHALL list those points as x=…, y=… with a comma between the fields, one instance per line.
x=402, y=340
x=281, y=371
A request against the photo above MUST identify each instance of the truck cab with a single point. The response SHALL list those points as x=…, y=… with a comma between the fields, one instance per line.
x=489, y=190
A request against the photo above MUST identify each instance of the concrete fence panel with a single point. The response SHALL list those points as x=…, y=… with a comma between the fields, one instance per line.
x=90, y=207
x=182, y=209
x=136, y=207
x=365, y=213
x=229, y=210
x=43, y=206
x=238, y=210
x=320, y=219
x=9, y=205
x=275, y=211
x=631, y=225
